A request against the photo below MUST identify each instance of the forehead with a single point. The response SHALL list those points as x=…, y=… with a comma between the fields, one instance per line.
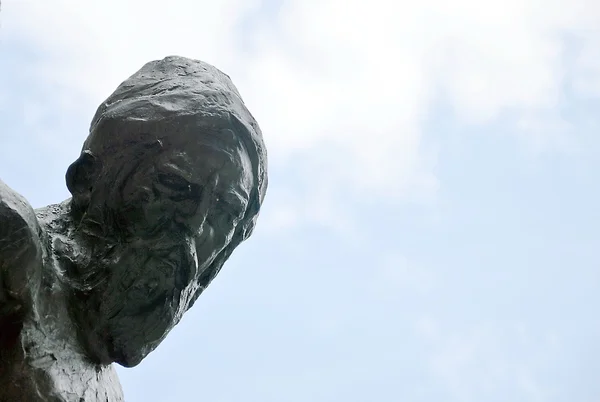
x=197, y=160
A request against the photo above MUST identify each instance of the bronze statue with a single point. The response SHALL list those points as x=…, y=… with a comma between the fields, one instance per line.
x=170, y=180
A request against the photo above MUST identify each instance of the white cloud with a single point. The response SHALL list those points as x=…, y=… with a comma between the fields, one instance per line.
x=91, y=47
x=586, y=77
x=348, y=81
x=302, y=205
x=364, y=74
x=488, y=361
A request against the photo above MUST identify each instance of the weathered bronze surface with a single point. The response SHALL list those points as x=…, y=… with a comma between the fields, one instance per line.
x=170, y=180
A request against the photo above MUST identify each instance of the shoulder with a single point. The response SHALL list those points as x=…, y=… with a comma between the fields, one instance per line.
x=20, y=249
x=15, y=210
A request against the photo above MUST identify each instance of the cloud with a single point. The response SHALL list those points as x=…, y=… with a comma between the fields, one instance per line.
x=364, y=75
x=488, y=361
x=349, y=83
x=91, y=48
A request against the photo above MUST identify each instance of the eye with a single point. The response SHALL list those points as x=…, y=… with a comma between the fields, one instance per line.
x=177, y=188
x=231, y=210
x=173, y=182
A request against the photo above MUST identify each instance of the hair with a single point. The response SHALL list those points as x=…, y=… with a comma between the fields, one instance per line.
x=180, y=95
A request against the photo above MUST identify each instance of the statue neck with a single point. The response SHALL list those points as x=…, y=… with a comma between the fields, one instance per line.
x=64, y=255
x=52, y=309
x=50, y=341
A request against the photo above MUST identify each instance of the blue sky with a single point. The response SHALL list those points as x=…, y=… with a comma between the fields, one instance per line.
x=431, y=226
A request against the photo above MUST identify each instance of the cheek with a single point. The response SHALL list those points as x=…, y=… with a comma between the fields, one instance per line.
x=210, y=244
x=228, y=235
x=144, y=211
x=138, y=198
x=221, y=234
x=136, y=202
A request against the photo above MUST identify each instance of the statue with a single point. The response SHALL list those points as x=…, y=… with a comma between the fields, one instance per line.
x=170, y=180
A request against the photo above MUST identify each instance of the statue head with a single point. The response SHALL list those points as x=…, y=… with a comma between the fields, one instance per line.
x=170, y=180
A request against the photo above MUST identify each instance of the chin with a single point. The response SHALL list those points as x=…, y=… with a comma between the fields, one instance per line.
x=133, y=338
x=130, y=356
x=129, y=362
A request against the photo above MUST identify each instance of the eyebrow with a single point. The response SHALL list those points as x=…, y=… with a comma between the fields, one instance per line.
x=172, y=168
x=234, y=199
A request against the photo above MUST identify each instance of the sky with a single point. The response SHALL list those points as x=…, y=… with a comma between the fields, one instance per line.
x=431, y=225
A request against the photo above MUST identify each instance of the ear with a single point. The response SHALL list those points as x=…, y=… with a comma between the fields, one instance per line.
x=81, y=176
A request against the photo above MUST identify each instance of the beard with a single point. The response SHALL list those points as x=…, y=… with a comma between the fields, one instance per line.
x=132, y=294
x=134, y=283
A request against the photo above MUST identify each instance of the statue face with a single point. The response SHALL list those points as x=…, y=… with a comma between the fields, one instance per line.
x=174, y=211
